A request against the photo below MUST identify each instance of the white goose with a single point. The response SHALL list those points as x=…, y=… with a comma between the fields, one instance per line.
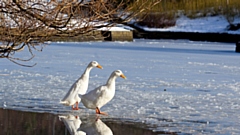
x=79, y=87
x=101, y=95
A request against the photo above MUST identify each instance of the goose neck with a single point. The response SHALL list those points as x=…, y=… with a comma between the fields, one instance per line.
x=87, y=70
x=111, y=80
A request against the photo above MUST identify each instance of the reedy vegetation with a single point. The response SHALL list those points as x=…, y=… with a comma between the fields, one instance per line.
x=168, y=10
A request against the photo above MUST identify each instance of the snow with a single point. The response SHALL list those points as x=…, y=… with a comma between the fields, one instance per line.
x=175, y=85
x=215, y=24
x=115, y=28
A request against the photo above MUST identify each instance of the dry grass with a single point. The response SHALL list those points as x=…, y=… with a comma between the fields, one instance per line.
x=158, y=20
x=168, y=10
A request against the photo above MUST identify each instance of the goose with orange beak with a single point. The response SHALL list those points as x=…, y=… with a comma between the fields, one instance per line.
x=101, y=95
x=79, y=87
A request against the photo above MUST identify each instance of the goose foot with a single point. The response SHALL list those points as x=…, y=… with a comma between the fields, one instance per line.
x=75, y=108
x=99, y=112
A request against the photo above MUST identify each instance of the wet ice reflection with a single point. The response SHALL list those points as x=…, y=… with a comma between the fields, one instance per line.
x=72, y=123
x=91, y=126
x=14, y=122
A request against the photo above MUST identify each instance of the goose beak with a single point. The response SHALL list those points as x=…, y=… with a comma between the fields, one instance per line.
x=123, y=76
x=99, y=66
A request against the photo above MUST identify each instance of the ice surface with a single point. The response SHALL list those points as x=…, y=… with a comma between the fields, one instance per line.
x=174, y=85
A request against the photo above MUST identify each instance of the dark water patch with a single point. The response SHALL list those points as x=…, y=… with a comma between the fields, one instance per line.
x=197, y=121
x=18, y=123
x=195, y=115
x=209, y=72
x=47, y=67
x=137, y=127
x=21, y=122
x=29, y=123
x=32, y=99
x=22, y=106
x=194, y=36
x=174, y=107
x=201, y=90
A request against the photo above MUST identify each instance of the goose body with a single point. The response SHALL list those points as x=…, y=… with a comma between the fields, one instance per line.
x=101, y=95
x=79, y=87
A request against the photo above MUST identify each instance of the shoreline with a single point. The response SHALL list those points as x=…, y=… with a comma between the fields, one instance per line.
x=21, y=122
x=193, y=36
x=136, y=34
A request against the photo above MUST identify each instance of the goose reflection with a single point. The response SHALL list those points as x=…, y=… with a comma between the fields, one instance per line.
x=89, y=126
x=94, y=126
x=72, y=123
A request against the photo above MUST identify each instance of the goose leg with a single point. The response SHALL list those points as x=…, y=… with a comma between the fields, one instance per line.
x=99, y=112
x=75, y=108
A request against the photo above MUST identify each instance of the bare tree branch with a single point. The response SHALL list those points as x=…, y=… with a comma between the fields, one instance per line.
x=29, y=24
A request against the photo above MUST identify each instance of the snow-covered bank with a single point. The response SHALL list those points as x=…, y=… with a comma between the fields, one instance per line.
x=212, y=24
x=212, y=29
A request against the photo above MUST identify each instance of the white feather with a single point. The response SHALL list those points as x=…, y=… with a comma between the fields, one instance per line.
x=102, y=94
x=79, y=87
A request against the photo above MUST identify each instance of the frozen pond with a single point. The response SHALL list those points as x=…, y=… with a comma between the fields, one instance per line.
x=173, y=85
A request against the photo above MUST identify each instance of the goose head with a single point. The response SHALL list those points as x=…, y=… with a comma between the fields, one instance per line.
x=95, y=64
x=119, y=73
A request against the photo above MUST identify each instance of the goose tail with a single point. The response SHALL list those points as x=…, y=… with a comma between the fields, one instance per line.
x=64, y=102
